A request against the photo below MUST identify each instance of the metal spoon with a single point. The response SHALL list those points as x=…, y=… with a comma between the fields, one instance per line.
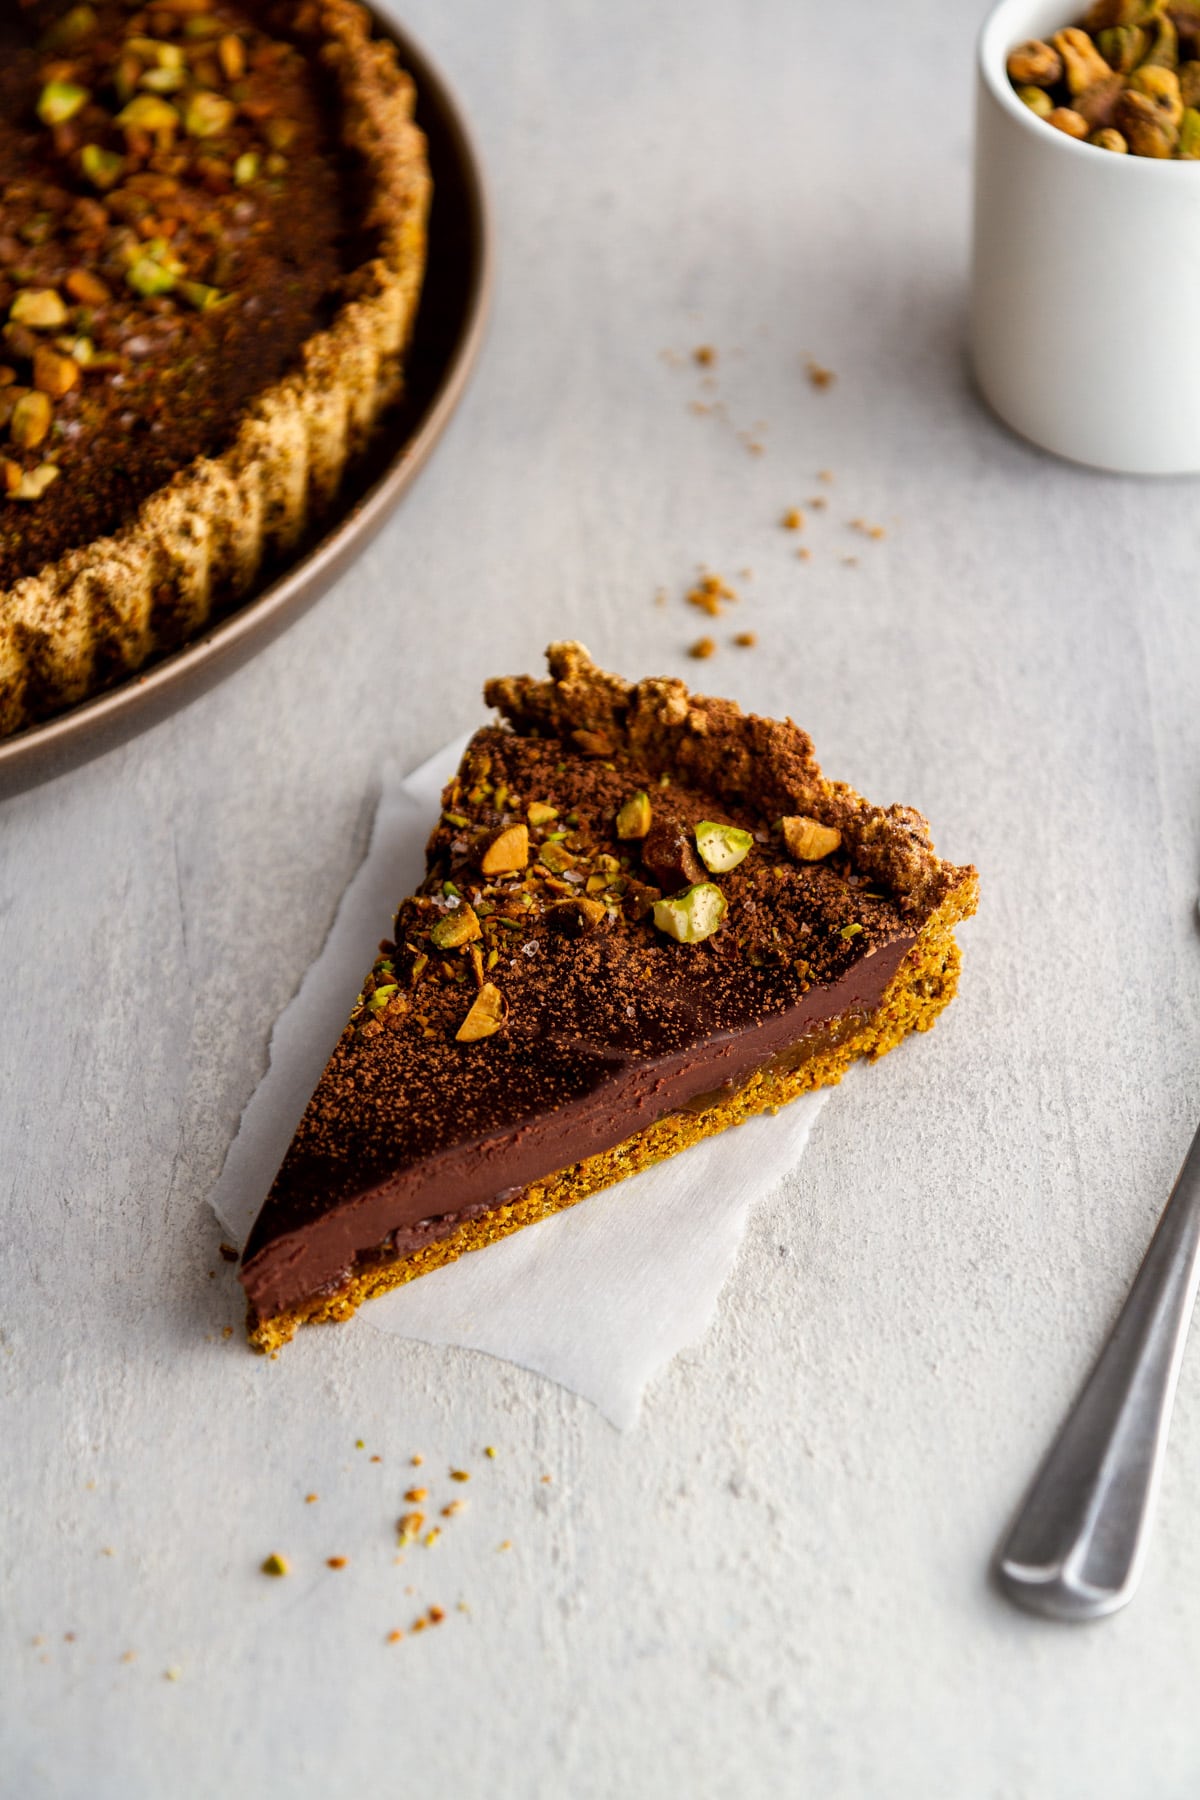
x=1079, y=1542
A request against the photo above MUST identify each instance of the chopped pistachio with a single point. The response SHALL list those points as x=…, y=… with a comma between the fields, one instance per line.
x=203, y=26
x=156, y=50
x=60, y=101
x=34, y=482
x=163, y=81
x=103, y=168
x=1189, y=134
x=86, y=288
x=489, y=1011
x=148, y=277
x=198, y=295
x=552, y=856
x=147, y=112
x=808, y=840
x=507, y=852
x=379, y=999
x=635, y=817
x=73, y=28
x=54, y=374
x=538, y=813
x=849, y=931
x=231, y=53
x=458, y=927
x=722, y=847
x=31, y=420
x=42, y=309
x=692, y=916
x=575, y=917
x=208, y=115
x=246, y=168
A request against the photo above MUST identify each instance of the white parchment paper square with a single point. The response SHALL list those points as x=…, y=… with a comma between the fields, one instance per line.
x=600, y=1297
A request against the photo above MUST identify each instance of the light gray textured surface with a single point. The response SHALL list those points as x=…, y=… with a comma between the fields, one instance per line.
x=777, y=1584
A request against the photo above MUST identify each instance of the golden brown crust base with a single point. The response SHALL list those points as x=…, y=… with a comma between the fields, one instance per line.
x=923, y=985
x=102, y=611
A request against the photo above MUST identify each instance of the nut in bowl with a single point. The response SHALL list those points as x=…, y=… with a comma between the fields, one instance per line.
x=1072, y=241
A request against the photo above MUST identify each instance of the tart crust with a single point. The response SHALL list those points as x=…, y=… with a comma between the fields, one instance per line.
x=362, y=1132
x=102, y=611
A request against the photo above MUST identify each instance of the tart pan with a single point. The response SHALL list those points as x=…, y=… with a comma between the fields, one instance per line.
x=446, y=340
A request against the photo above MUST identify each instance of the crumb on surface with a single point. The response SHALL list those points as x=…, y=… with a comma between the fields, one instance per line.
x=416, y=1494
x=172, y=1672
x=416, y=1460
x=711, y=595
x=825, y=475
x=793, y=519
x=432, y=1536
x=453, y=1509
x=335, y=1562
x=459, y=1475
x=746, y=640
x=275, y=1564
x=820, y=377
x=311, y=1499
x=703, y=648
x=705, y=355
x=490, y=1450
x=804, y=555
x=506, y=1545
x=227, y=1253
x=394, y=1637
x=436, y=1615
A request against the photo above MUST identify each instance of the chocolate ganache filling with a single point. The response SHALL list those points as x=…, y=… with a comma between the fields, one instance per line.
x=351, y=1200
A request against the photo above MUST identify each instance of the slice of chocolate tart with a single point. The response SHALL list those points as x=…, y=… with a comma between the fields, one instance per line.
x=646, y=916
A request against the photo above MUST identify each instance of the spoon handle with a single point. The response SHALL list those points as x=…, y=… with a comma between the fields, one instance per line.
x=1079, y=1541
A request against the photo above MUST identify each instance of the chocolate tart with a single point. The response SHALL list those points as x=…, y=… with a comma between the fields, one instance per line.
x=646, y=917
x=212, y=240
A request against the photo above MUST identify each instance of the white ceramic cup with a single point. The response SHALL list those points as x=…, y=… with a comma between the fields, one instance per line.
x=1085, y=282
